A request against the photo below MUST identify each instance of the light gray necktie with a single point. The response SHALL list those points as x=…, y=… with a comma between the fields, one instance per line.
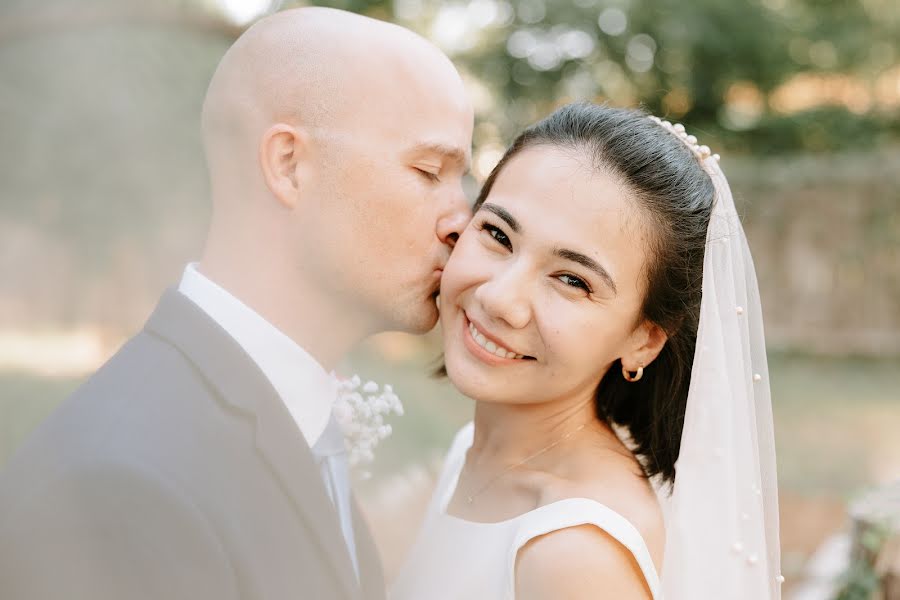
x=331, y=454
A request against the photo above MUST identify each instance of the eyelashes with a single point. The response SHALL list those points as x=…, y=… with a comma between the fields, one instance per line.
x=428, y=175
x=501, y=238
x=575, y=282
x=497, y=234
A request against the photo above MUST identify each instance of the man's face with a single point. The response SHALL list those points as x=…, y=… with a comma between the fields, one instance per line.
x=390, y=205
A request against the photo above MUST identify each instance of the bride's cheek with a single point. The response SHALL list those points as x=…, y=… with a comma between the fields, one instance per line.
x=464, y=271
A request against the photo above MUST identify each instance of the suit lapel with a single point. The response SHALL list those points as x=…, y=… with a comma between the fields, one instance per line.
x=242, y=385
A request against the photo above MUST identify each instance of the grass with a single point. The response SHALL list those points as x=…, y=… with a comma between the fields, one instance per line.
x=837, y=420
x=837, y=423
x=837, y=432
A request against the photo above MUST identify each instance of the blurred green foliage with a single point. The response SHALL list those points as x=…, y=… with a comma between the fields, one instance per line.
x=101, y=163
x=861, y=581
x=720, y=67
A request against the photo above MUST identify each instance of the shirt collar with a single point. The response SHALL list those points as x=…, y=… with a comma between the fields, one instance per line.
x=307, y=390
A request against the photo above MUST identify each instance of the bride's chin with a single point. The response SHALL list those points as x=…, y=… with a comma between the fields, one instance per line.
x=469, y=384
x=465, y=387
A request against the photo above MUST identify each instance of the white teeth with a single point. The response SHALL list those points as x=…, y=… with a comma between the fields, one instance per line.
x=491, y=346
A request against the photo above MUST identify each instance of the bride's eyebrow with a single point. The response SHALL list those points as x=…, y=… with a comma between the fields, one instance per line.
x=503, y=214
x=589, y=263
x=564, y=253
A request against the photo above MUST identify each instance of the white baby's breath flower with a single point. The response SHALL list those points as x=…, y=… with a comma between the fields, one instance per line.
x=360, y=411
x=343, y=414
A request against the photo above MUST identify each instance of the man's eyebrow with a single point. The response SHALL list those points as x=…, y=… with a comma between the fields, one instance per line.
x=503, y=214
x=589, y=263
x=449, y=152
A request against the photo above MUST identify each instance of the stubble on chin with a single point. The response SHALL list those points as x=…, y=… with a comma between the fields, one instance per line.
x=417, y=318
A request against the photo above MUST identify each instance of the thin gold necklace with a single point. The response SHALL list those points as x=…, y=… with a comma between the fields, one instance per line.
x=471, y=497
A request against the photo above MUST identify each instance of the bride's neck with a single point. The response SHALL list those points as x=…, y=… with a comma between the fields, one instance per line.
x=506, y=433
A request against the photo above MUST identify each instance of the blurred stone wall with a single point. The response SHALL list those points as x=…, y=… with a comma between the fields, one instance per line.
x=825, y=236
x=102, y=182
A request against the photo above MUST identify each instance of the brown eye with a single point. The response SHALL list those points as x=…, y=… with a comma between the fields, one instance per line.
x=575, y=282
x=497, y=234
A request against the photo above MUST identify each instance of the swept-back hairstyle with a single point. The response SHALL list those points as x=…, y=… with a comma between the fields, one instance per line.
x=675, y=196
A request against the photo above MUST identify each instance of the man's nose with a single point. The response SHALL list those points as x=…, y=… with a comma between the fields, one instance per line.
x=455, y=219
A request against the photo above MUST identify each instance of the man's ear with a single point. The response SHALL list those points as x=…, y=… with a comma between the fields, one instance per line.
x=647, y=342
x=281, y=149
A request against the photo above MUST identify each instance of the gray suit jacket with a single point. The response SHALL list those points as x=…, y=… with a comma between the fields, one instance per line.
x=175, y=472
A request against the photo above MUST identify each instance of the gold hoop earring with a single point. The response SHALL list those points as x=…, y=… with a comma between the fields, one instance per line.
x=636, y=377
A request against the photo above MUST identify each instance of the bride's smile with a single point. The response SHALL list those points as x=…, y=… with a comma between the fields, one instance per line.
x=488, y=347
x=542, y=292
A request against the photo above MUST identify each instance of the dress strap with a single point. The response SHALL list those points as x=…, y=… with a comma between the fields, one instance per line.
x=453, y=464
x=572, y=512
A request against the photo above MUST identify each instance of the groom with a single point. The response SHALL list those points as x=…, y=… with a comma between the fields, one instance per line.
x=202, y=460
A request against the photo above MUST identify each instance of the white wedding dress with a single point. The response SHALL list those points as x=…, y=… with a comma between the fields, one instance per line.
x=455, y=559
x=721, y=514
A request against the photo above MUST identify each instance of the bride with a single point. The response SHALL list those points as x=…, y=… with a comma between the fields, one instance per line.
x=602, y=311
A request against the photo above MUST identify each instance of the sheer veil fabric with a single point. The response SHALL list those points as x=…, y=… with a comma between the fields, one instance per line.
x=722, y=537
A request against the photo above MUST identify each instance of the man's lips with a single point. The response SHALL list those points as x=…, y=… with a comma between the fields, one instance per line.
x=436, y=282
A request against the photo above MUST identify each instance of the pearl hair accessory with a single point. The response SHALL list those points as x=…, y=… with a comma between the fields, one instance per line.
x=360, y=410
x=701, y=152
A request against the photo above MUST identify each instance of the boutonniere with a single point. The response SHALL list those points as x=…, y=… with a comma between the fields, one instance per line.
x=360, y=410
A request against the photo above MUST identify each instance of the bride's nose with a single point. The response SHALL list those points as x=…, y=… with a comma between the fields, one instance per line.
x=506, y=296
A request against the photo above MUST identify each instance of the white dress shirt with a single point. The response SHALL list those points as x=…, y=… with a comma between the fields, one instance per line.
x=307, y=390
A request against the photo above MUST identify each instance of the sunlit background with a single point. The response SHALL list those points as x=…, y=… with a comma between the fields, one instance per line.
x=103, y=200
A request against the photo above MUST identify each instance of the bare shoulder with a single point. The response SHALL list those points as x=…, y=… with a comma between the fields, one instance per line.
x=620, y=486
x=582, y=562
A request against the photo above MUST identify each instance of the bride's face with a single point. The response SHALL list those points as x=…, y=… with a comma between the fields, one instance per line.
x=543, y=290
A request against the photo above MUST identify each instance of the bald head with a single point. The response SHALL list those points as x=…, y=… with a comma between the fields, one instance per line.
x=336, y=147
x=329, y=71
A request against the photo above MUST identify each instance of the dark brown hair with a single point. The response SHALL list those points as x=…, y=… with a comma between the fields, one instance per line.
x=675, y=195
